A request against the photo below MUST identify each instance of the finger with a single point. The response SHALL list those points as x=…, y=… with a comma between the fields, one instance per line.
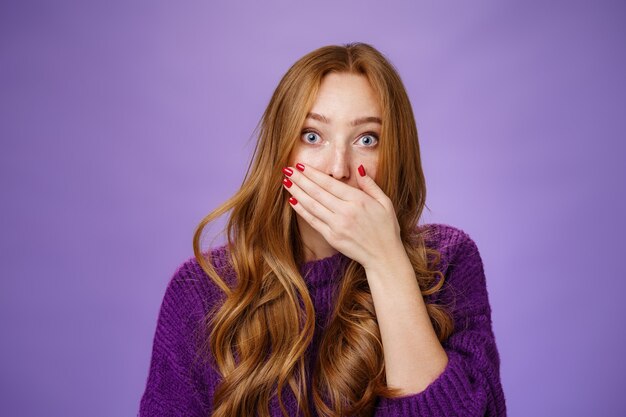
x=312, y=177
x=315, y=223
x=368, y=185
x=309, y=203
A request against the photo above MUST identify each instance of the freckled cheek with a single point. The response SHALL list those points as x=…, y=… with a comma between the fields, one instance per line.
x=370, y=162
x=371, y=171
x=295, y=156
x=307, y=156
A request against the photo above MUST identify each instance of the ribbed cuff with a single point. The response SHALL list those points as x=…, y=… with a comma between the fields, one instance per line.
x=456, y=392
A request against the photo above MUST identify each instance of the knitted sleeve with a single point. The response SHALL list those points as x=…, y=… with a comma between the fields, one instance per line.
x=470, y=384
x=174, y=385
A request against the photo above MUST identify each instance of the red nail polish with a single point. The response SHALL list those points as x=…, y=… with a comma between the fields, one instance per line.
x=293, y=201
x=300, y=167
x=287, y=171
x=287, y=182
x=361, y=170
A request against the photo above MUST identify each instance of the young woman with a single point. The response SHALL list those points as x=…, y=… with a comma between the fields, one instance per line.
x=329, y=298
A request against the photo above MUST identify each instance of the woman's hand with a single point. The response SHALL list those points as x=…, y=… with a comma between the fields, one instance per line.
x=359, y=222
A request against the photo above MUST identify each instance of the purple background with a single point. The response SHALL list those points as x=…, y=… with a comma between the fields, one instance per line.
x=123, y=123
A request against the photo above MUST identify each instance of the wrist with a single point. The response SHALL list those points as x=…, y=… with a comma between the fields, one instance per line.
x=392, y=261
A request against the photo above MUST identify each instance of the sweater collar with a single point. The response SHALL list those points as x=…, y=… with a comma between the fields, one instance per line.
x=323, y=271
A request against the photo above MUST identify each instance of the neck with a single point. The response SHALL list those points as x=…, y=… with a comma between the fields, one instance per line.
x=315, y=246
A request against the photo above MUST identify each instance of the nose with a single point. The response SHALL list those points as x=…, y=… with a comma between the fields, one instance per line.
x=338, y=165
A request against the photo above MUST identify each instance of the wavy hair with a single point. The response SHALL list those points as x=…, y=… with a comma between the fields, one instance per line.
x=259, y=334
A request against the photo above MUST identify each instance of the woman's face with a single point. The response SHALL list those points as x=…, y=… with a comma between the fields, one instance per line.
x=342, y=129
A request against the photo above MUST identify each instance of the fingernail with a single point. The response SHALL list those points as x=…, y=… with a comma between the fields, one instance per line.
x=287, y=182
x=287, y=171
x=361, y=170
x=300, y=167
x=293, y=201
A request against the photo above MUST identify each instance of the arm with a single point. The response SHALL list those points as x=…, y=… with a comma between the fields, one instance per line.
x=469, y=383
x=173, y=387
x=463, y=380
x=413, y=355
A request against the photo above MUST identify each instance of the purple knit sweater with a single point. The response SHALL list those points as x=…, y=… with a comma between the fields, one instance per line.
x=469, y=385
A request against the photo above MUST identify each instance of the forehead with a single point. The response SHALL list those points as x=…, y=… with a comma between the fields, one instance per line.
x=346, y=95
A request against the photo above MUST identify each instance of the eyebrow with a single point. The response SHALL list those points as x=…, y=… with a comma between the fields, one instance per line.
x=355, y=122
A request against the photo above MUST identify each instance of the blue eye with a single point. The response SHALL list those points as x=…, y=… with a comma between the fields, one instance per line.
x=309, y=136
x=369, y=140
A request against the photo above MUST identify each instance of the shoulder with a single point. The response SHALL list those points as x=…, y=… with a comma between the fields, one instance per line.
x=462, y=265
x=457, y=248
x=452, y=242
x=191, y=286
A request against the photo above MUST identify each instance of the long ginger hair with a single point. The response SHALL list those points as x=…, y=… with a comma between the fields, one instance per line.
x=259, y=334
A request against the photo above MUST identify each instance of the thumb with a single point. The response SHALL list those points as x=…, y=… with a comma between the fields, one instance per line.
x=367, y=184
